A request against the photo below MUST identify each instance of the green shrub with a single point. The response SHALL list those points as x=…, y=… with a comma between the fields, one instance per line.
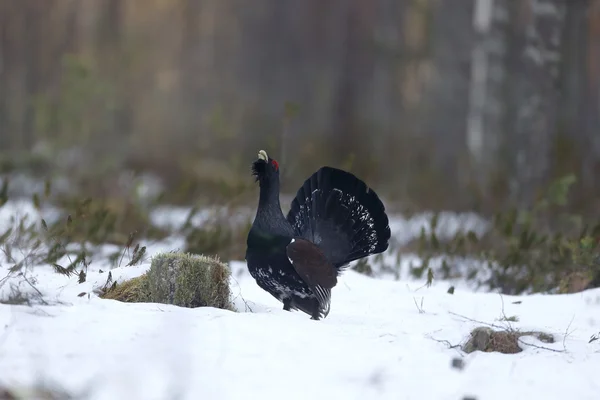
x=540, y=249
x=100, y=221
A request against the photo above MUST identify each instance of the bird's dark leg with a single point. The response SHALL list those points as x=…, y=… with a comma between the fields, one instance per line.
x=287, y=304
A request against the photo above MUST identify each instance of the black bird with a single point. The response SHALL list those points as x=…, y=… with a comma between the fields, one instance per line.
x=334, y=219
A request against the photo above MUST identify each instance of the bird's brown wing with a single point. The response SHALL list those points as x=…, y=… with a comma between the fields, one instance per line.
x=311, y=264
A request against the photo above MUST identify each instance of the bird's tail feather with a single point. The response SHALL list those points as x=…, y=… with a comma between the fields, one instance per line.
x=338, y=212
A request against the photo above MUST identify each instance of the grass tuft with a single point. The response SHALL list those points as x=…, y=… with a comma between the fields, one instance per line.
x=181, y=279
x=189, y=280
x=131, y=291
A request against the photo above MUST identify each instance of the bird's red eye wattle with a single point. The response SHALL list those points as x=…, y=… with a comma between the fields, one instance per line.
x=275, y=165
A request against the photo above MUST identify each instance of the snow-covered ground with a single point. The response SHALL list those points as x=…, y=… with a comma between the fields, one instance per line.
x=383, y=339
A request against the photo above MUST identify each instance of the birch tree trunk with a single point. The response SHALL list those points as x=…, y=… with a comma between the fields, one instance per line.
x=487, y=109
x=515, y=94
x=534, y=62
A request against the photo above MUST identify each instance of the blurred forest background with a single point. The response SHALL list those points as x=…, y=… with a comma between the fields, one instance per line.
x=438, y=104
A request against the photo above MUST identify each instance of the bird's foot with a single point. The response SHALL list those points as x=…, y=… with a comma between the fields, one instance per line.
x=287, y=305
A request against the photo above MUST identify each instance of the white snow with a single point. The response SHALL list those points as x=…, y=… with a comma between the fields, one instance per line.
x=383, y=339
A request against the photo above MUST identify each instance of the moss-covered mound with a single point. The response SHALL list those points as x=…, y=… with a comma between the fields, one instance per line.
x=180, y=279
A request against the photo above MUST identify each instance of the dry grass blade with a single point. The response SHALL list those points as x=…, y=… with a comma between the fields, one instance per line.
x=4, y=192
x=137, y=256
x=62, y=270
x=82, y=277
x=4, y=237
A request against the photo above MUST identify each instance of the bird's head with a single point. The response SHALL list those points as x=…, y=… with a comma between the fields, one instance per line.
x=265, y=168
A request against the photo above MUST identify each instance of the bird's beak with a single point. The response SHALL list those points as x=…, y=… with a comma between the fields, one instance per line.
x=262, y=155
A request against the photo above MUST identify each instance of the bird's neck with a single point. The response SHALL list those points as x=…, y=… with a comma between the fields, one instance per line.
x=269, y=208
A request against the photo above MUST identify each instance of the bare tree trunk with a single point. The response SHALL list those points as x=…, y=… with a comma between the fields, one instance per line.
x=515, y=94
x=5, y=137
x=191, y=66
x=401, y=54
x=33, y=32
x=110, y=54
x=592, y=95
x=487, y=109
x=449, y=104
x=356, y=70
x=573, y=103
x=539, y=25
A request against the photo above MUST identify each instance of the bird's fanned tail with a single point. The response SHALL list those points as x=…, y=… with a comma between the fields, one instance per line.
x=338, y=212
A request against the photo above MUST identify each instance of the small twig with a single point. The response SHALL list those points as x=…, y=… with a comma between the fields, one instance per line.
x=505, y=318
x=41, y=296
x=567, y=333
x=456, y=347
x=503, y=313
x=122, y=255
x=477, y=321
x=8, y=255
x=446, y=342
x=246, y=305
x=540, y=347
x=5, y=279
x=421, y=307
